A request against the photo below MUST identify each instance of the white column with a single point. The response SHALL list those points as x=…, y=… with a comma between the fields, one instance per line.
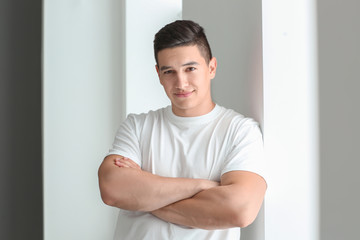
x=98, y=65
x=143, y=19
x=81, y=111
x=290, y=120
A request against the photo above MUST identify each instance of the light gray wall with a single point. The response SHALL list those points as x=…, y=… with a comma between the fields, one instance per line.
x=20, y=120
x=339, y=84
x=82, y=108
x=234, y=32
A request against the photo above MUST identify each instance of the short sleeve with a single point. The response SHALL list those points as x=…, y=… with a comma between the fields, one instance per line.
x=126, y=141
x=246, y=149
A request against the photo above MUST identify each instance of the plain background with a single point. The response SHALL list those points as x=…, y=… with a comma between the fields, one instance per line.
x=85, y=70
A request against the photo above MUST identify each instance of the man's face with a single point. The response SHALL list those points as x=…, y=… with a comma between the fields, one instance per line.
x=186, y=78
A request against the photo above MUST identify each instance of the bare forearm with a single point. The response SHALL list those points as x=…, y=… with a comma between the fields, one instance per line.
x=145, y=192
x=234, y=204
x=132, y=189
x=206, y=210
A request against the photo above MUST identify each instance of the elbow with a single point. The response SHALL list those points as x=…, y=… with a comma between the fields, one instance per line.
x=107, y=198
x=243, y=213
x=244, y=221
x=123, y=203
x=241, y=219
x=111, y=197
x=108, y=201
x=243, y=216
x=106, y=194
x=116, y=191
x=106, y=191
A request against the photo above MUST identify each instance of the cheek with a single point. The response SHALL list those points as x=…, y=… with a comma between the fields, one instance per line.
x=199, y=80
x=194, y=79
x=167, y=87
x=163, y=82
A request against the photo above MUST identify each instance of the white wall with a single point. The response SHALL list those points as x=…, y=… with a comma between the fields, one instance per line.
x=143, y=89
x=234, y=32
x=81, y=111
x=339, y=84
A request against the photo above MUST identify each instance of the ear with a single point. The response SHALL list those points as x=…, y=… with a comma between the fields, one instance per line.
x=212, y=67
x=158, y=73
x=157, y=70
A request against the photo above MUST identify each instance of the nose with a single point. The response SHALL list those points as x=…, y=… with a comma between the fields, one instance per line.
x=181, y=81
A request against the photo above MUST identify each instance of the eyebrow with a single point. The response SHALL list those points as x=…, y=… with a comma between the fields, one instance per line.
x=185, y=64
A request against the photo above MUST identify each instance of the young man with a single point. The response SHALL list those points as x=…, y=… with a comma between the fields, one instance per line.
x=192, y=170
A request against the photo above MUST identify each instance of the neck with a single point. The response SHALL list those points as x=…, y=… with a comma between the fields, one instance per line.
x=194, y=112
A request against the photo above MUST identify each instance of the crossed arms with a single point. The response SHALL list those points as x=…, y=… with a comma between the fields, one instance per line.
x=197, y=203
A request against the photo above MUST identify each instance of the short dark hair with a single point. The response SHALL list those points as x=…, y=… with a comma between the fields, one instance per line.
x=182, y=33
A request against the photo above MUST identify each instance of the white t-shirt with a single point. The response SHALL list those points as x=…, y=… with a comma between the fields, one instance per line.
x=192, y=147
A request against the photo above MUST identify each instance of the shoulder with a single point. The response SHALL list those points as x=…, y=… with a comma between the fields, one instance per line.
x=139, y=122
x=150, y=115
x=236, y=118
x=238, y=124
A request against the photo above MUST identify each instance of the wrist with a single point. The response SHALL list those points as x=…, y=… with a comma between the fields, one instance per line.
x=207, y=184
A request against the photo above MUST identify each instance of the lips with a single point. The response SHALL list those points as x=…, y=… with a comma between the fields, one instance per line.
x=183, y=94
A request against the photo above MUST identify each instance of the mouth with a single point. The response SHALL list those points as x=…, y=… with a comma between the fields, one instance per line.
x=183, y=94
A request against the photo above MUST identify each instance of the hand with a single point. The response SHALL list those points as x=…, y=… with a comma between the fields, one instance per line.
x=124, y=162
x=210, y=184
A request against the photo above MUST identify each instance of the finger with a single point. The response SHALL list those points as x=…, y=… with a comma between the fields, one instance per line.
x=121, y=163
x=117, y=163
x=131, y=163
x=125, y=162
x=128, y=162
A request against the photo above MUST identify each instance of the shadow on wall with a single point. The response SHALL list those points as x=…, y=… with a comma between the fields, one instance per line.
x=21, y=215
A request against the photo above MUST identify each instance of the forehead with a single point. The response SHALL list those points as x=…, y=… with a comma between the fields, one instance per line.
x=180, y=55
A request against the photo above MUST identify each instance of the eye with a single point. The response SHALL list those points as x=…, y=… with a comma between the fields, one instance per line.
x=168, y=71
x=190, y=69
